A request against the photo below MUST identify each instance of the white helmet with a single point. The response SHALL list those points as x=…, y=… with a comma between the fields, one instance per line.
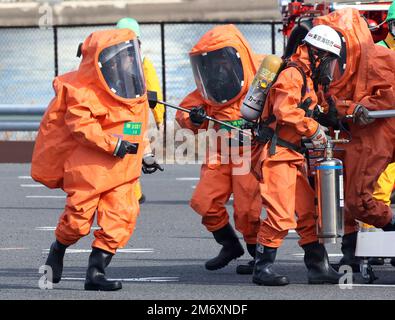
x=325, y=38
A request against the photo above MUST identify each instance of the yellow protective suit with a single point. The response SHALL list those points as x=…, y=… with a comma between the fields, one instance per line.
x=75, y=145
x=385, y=185
x=152, y=84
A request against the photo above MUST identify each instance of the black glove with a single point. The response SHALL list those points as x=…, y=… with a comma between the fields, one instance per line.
x=248, y=125
x=330, y=118
x=197, y=116
x=361, y=115
x=125, y=147
x=262, y=134
x=150, y=165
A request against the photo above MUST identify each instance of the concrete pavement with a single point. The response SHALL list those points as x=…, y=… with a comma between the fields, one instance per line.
x=164, y=258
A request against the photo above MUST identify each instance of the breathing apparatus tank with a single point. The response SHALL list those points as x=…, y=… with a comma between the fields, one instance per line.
x=255, y=99
x=329, y=195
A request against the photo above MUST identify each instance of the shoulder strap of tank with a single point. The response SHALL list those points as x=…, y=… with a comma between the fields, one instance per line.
x=291, y=64
x=275, y=140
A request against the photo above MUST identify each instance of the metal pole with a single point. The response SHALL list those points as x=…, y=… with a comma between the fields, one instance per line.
x=55, y=39
x=19, y=126
x=22, y=109
x=246, y=133
x=162, y=41
x=273, y=38
x=381, y=114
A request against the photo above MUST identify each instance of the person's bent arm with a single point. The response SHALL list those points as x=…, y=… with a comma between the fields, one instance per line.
x=191, y=101
x=85, y=128
x=286, y=97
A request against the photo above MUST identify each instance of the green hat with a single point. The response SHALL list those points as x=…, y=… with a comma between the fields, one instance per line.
x=129, y=23
x=391, y=12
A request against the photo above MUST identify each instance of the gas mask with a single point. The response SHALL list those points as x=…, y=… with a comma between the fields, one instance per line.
x=218, y=74
x=322, y=66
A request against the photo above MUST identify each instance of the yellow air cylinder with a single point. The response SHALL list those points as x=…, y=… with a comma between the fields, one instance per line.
x=255, y=99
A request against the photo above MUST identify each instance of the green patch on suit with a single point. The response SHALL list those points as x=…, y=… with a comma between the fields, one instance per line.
x=132, y=128
x=236, y=123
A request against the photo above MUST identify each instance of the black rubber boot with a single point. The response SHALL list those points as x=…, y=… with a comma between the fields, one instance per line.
x=376, y=261
x=55, y=260
x=349, y=243
x=263, y=273
x=249, y=267
x=317, y=263
x=389, y=227
x=95, y=276
x=231, y=249
x=142, y=199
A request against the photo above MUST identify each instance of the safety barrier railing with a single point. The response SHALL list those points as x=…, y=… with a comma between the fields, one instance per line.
x=10, y=110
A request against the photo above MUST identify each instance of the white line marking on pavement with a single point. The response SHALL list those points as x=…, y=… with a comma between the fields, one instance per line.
x=137, y=250
x=32, y=186
x=329, y=254
x=147, y=279
x=9, y=249
x=24, y=177
x=46, y=197
x=54, y=228
x=118, y=4
x=367, y=285
x=188, y=179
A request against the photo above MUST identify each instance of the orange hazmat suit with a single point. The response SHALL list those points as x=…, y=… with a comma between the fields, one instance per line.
x=368, y=79
x=217, y=178
x=284, y=185
x=75, y=148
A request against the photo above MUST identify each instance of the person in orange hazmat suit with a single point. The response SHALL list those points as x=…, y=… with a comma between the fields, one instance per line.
x=366, y=82
x=224, y=66
x=284, y=184
x=90, y=144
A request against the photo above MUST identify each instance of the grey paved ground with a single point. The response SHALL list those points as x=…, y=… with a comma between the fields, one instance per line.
x=170, y=266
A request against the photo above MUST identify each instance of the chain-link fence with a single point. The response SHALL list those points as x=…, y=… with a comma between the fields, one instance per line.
x=31, y=57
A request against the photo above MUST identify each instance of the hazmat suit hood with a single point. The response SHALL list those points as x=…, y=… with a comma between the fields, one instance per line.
x=365, y=71
x=228, y=36
x=89, y=73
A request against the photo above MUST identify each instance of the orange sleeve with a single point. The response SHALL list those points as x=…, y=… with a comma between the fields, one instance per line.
x=86, y=129
x=286, y=96
x=381, y=99
x=190, y=101
x=345, y=107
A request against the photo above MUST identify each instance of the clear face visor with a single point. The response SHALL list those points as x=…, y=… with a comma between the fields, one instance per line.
x=122, y=71
x=218, y=74
x=391, y=27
